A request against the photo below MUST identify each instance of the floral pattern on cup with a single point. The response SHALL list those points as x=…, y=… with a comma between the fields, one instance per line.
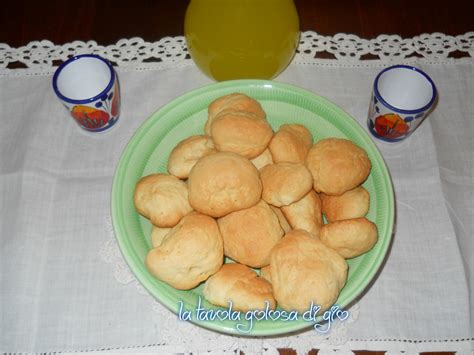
x=402, y=97
x=96, y=113
x=103, y=115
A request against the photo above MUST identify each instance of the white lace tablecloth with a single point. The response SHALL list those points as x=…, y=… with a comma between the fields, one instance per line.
x=64, y=286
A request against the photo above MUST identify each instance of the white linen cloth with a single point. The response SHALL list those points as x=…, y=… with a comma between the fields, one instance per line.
x=65, y=288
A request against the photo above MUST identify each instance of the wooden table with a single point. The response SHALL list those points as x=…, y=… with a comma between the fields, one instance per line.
x=106, y=21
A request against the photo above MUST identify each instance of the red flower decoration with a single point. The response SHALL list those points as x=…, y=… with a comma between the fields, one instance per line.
x=390, y=125
x=89, y=117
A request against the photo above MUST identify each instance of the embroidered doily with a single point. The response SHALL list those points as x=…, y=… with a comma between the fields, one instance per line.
x=335, y=342
x=172, y=51
x=171, y=329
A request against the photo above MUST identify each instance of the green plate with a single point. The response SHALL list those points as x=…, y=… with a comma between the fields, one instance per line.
x=148, y=151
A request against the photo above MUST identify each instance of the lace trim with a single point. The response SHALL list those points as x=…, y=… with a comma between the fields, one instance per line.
x=347, y=47
x=172, y=51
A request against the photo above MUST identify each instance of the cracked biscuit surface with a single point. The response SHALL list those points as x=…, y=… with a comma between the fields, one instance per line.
x=304, y=270
x=162, y=198
x=291, y=143
x=187, y=152
x=190, y=253
x=350, y=237
x=250, y=234
x=232, y=102
x=237, y=123
x=222, y=183
x=351, y=204
x=285, y=183
x=242, y=286
x=337, y=165
x=241, y=132
x=263, y=159
x=305, y=213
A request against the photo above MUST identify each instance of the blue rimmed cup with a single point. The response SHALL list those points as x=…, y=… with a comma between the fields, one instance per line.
x=402, y=97
x=88, y=87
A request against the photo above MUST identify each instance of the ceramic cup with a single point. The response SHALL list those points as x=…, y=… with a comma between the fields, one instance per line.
x=88, y=87
x=402, y=97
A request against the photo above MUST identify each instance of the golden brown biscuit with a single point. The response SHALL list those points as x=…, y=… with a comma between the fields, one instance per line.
x=285, y=183
x=241, y=132
x=240, y=285
x=266, y=273
x=162, y=198
x=281, y=218
x=263, y=159
x=304, y=270
x=250, y=234
x=221, y=183
x=291, y=144
x=350, y=237
x=183, y=157
x=232, y=102
x=351, y=204
x=158, y=235
x=190, y=253
x=305, y=214
x=337, y=165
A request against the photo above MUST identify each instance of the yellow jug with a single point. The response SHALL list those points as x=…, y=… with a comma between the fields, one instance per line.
x=241, y=39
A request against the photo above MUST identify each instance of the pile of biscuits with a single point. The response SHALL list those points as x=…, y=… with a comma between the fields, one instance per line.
x=257, y=197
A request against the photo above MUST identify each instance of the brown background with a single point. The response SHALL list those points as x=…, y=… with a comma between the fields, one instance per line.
x=107, y=21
